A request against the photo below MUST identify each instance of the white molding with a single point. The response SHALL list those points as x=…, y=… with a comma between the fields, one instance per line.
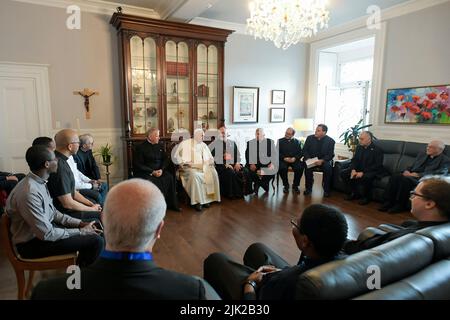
x=380, y=39
x=238, y=28
x=96, y=6
x=386, y=14
x=39, y=74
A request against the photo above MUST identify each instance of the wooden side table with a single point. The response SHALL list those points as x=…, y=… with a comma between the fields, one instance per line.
x=107, y=164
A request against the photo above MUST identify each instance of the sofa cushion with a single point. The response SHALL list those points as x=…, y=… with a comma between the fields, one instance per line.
x=432, y=283
x=410, y=152
x=347, y=278
x=440, y=235
x=392, y=150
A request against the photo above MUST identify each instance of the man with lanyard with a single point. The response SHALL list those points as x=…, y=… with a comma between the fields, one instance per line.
x=126, y=270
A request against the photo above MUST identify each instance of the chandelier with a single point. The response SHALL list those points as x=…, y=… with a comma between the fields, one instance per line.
x=286, y=22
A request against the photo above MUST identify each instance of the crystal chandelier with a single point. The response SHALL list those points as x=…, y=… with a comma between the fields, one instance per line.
x=286, y=22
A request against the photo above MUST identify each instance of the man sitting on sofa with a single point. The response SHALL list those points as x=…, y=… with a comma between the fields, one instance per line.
x=367, y=164
x=433, y=161
x=319, y=234
x=429, y=205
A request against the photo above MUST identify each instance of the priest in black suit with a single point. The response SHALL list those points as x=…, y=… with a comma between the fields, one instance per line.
x=126, y=269
x=367, y=164
x=85, y=159
x=290, y=152
x=150, y=163
x=262, y=161
x=431, y=162
x=227, y=160
x=320, y=146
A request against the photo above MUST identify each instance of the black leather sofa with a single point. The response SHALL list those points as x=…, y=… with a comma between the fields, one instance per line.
x=413, y=267
x=398, y=155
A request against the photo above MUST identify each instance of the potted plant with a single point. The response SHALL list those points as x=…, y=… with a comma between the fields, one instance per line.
x=106, y=153
x=350, y=136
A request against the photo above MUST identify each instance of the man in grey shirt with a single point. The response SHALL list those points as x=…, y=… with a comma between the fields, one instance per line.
x=38, y=229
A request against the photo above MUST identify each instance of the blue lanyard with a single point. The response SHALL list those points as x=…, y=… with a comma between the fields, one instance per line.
x=142, y=256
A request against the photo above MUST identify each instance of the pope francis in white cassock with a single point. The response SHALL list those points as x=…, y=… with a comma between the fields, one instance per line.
x=197, y=172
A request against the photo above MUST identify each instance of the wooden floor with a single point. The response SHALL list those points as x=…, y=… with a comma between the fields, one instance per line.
x=231, y=226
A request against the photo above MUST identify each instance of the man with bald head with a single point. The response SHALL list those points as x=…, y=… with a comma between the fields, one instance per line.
x=262, y=161
x=431, y=162
x=133, y=222
x=61, y=184
x=290, y=153
x=367, y=164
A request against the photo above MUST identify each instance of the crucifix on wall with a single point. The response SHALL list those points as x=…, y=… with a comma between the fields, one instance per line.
x=86, y=94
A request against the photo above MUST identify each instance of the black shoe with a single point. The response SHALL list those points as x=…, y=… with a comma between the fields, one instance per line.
x=286, y=189
x=307, y=192
x=385, y=207
x=397, y=209
x=198, y=207
x=326, y=195
x=364, y=201
x=296, y=190
x=206, y=205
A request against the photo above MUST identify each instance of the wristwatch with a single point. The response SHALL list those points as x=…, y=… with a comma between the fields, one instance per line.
x=252, y=283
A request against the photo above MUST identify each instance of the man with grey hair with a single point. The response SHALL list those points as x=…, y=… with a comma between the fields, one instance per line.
x=133, y=222
x=431, y=162
x=85, y=159
x=150, y=162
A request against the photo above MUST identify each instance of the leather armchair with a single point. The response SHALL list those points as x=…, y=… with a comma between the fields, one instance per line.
x=415, y=266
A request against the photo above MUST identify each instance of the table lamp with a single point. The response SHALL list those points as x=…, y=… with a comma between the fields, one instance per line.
x=303, y=125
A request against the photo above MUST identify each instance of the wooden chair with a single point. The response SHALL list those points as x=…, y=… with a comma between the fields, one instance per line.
x=20, y=264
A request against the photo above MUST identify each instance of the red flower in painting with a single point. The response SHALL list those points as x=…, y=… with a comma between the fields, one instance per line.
x=427, y=104
x=414, y=109
x=400, y=97
x=431, y=95
x=444, y=96
x=426, y=115
x=415, y=98
x=395, y=109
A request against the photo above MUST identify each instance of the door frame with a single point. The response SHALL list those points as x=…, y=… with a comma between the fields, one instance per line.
x=39, y=74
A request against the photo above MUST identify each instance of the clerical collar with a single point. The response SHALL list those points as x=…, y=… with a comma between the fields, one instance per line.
x=135, y=256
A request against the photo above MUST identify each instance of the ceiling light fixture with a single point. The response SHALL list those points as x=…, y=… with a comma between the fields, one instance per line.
x=286, y=22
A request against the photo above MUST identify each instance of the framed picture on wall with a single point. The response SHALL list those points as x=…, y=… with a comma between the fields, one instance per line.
x=277, y=114
x=278, y=96
x=245, y=104
x=418, y=105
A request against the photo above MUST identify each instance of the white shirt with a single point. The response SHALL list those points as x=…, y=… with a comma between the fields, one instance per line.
x=81, y=181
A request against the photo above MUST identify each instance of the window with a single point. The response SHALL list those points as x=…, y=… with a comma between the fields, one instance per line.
x=344, y=86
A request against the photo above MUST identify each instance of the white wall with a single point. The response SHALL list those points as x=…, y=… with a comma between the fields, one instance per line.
x=258, y=63
x=417, y=53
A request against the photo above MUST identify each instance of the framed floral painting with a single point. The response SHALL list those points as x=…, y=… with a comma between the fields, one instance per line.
x=418, y=105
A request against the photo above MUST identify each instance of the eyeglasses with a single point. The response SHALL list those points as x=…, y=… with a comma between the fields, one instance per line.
x=413, y=194
x=294, y=223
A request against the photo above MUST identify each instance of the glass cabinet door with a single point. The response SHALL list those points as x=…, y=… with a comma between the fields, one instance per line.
x=177, y=87
x=207, y=86
x=143, y=84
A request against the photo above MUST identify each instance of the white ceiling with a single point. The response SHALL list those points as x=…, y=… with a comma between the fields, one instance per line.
x=236, y=11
